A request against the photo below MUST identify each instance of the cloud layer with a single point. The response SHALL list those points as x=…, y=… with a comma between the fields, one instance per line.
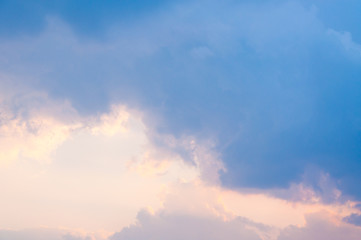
x=272, y=84
x=225, y=119
x=164, y=227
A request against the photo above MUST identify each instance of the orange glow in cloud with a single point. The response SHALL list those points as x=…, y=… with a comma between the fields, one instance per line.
x=96, y=174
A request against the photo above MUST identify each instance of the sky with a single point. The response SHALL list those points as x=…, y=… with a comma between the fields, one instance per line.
x=173, y=120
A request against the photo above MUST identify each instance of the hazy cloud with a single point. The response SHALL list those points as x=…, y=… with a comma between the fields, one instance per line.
x=353, y=219
x=41, y=234
x=178, y=227
x=322, y=226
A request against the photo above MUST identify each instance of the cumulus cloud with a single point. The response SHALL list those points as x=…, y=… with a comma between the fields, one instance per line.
x=32, y=125
x=266, y=81
x=245, y=95
x=177, y=227
x=75, y=167
x=163, y=225
x=167, y=182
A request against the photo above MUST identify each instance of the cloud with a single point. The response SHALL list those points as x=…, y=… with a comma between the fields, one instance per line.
x=59, y=168
x=112, y=122
x=32, y=125
x=162, y=227
x=341, y=18
x=268, y=82
x=90, y=165
x=42, y=234
x=211, y=113
x=353, y=219
x=322, y=226
x=88, y=19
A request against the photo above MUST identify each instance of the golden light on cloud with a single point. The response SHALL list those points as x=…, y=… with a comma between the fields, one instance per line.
x=95, y=174
x=180, y=120
x=86, y=182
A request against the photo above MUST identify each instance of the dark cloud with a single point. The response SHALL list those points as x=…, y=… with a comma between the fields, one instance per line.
x=268, y=80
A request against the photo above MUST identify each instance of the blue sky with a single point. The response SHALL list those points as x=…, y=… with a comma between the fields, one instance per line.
x=270, y=88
